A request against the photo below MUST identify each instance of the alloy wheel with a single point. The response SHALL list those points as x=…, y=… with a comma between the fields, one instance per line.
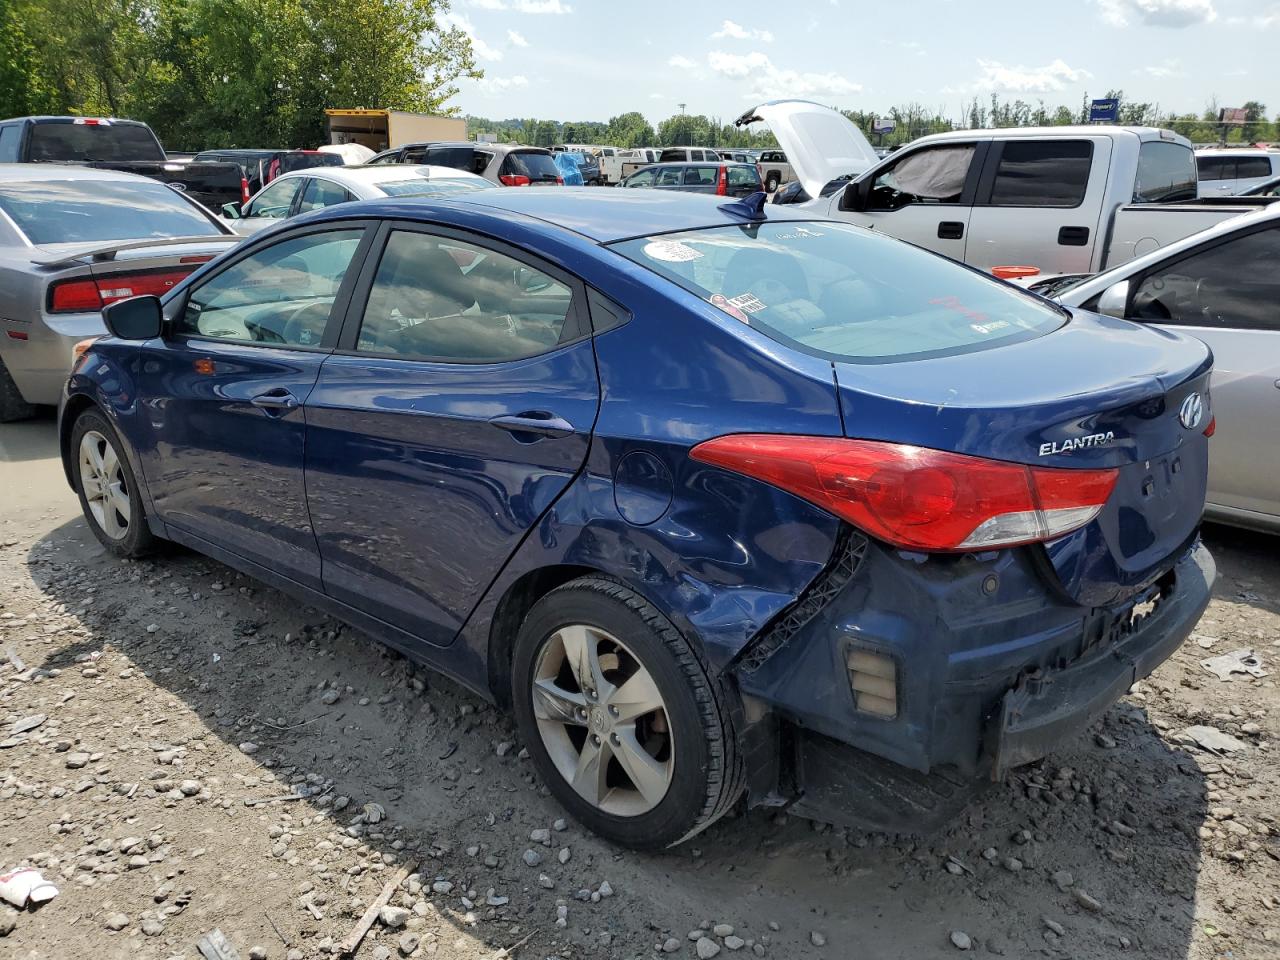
x=603, y=721
x=105, y=485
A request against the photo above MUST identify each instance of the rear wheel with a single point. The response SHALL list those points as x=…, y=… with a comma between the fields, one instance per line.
x=621, y=718
x=12, y=405
x=108, y=492
x=771, y=183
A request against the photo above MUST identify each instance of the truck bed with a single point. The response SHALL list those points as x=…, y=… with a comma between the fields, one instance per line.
x=1140, y=228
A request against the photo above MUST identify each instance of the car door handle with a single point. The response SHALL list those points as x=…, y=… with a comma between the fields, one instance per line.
x=1073, y=237
x=537, y=422
x=951, y=230
x=277, y=399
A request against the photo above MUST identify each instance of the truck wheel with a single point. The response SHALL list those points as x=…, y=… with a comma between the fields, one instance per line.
x=621, y=719
x=12, y=406
x=771, y=183
x=108, y=492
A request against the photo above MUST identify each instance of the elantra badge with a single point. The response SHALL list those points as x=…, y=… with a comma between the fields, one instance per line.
x=1191, y=411
x=1076, y=443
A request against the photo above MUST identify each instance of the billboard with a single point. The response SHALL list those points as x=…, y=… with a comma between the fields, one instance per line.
x=1106, y=110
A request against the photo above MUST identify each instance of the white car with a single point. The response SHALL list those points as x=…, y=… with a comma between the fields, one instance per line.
x=316, y=187
x=1221, y=286
x=1226, y=172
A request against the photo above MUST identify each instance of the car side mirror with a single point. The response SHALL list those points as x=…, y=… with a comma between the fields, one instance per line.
x=1113, y=300
x=138, y=318
x=857, y=195
x=232, y=210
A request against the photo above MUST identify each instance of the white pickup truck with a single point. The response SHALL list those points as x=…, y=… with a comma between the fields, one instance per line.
x=1060, y=199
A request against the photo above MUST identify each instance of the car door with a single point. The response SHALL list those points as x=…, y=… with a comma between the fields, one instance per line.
x=669, y=178
x=1217, y=175
x=1227, y=293
x=1039, y=202
x=272, y=204
x=225, y=388
x=458, y=406
x=320, y=192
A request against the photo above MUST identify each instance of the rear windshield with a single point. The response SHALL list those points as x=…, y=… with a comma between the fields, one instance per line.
x=535, y=166
x=83, y=211
x=434, y=187
x=305, y=161
x=843, y=293
x=82, y=141
x=1166, y=172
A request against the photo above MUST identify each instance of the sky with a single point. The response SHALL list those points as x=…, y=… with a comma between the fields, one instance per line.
x=592, y=59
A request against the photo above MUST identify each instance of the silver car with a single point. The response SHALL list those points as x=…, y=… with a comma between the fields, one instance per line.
x=1222, y=286
x=72, y=240
x=304, y=190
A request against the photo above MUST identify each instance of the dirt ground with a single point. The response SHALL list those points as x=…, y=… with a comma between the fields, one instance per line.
x=176, y=694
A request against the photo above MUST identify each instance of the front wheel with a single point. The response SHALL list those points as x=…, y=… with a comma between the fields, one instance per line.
x=109, y=493
x=771, y=184
x=621, y=718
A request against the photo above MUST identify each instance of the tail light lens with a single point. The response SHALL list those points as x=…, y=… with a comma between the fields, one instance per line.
x=1212, y=428
x=86, y=294
x=916, y=497
x=244, y=190
x=722, y=183
x=515, y=180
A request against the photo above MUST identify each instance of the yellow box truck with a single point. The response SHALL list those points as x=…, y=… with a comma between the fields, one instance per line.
x=382, y=129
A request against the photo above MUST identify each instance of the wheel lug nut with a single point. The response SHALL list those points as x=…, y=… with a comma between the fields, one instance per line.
x=595, y=739
x=613, y=711
x=613, y=738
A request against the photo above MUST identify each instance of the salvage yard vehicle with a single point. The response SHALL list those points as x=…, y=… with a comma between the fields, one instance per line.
x=720, y=179
x=66, y=249
x=1061, y=199
x=774, y=169
x=629, y=161
x=1221, y=286
x=311, y=189
x=261, y=166
x=1231, y=171
x=506, y=164
x=129, y=146
x=1267, y=188
x=717, y=497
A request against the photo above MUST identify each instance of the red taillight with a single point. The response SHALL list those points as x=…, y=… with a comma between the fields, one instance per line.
x=87, y=295
x=244, y=189
x=722, y=183
x=916, y=497
x=1212, y=428
x=514, y=180
x=559, y=181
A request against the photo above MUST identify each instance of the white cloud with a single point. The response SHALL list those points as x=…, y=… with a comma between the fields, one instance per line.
x=1047, y=79
x=516, y=39
x=681, y=63
x=524, y=6
x=482, y=50
x=1164, y=70
x=736, y=31
x=1158, y=13
x=1268, y=18
x=768, y=81
x=496, y=85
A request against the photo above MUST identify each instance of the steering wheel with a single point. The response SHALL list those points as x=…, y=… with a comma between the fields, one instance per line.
x=300, y=330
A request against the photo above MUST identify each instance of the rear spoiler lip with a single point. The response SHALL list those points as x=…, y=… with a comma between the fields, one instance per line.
x=107, y=251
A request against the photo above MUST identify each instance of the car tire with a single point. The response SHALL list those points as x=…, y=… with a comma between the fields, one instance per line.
x=771, y=183
x=12, y=405
x=109, y=494
x=607, y=763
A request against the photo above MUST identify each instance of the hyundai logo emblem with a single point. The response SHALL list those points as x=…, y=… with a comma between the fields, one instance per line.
x=1191, y=411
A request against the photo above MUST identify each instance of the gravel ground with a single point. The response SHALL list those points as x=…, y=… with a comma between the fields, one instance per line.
x=183, y=749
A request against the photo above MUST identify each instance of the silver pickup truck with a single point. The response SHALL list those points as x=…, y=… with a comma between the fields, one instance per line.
x=1059, y=199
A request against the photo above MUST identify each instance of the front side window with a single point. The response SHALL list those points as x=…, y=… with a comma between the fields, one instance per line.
x=322, y=193
x=841, y=292
x=1231, y=285
x=668, y=177
x=83, y=211
x=460, y=158
x=280, y=296
x=275, y=202
x=9, y=137
x=1166, y=172
x=435, y=298
x=641, y=178
x=1042, y=173
x=1216, y=168
x=932, y=175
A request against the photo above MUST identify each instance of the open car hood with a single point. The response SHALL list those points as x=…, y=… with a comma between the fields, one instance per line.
x=820, y=143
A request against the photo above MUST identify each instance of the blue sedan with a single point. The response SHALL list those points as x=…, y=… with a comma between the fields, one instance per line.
x=718, y=500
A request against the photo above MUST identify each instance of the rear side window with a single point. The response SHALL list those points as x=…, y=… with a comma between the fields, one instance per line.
x=841, y=292
x=82, y=211
x=1166, y=172
x=538, y=167
x=9, y=137
x=673, y=155
x=1216, y=168
x=460, y=158
x=743, y=177
x=93, y=141
x=436, y=298
x=1253, y=167
x=1042, y=173
x=701, y=176
x=322, y=193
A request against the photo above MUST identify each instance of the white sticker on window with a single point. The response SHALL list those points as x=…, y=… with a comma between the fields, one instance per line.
x=670, y=251
x=748, y=302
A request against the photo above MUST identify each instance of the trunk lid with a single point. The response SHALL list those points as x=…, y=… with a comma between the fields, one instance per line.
x=1098, y=392
x=820, y=143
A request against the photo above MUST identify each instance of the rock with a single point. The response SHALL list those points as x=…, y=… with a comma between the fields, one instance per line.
x=393, y=917
x=249, y=748
x=670, y=945
x=189, y=788
x=734, y=943
x=28, y=723
x=493, y=900
x=561, y=825
x=8, y=919
x=817, y=939
x=706, y=948
x=380, y=952
x=408, y=943
x=1055, y=926
x=329, y=697
x=1104, y=741
x=374, y=813
x=116, y=921
x=1012, y=864
x=257, y=953
x=546, y=882
x=1062, y=879
x=960, y=940
x=532, y=858
x=442, y=886
x=607, y=891
x=77, y=760
x=296, y=954
x=540, y=836
x=152, y=927
x=1086, y=901
x=722, y=930
x=991, y=853
x=1213, y=739
x=564, y=855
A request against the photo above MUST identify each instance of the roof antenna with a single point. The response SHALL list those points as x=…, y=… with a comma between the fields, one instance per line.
x=748, y=208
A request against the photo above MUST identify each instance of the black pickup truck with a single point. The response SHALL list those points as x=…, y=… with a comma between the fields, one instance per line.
x=126, y=145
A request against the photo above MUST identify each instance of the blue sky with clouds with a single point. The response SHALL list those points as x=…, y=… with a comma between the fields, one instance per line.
x=590, y=59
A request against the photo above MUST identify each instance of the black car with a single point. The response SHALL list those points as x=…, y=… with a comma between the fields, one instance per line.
x=129, y=146
x=261, y=166
x=459, y=154
x=720, y=179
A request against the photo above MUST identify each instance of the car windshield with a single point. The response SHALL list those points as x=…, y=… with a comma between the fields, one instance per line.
x=81, y=211
x=93, y=141
x=843, y=293
x=423, y=187
x=535, y=166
